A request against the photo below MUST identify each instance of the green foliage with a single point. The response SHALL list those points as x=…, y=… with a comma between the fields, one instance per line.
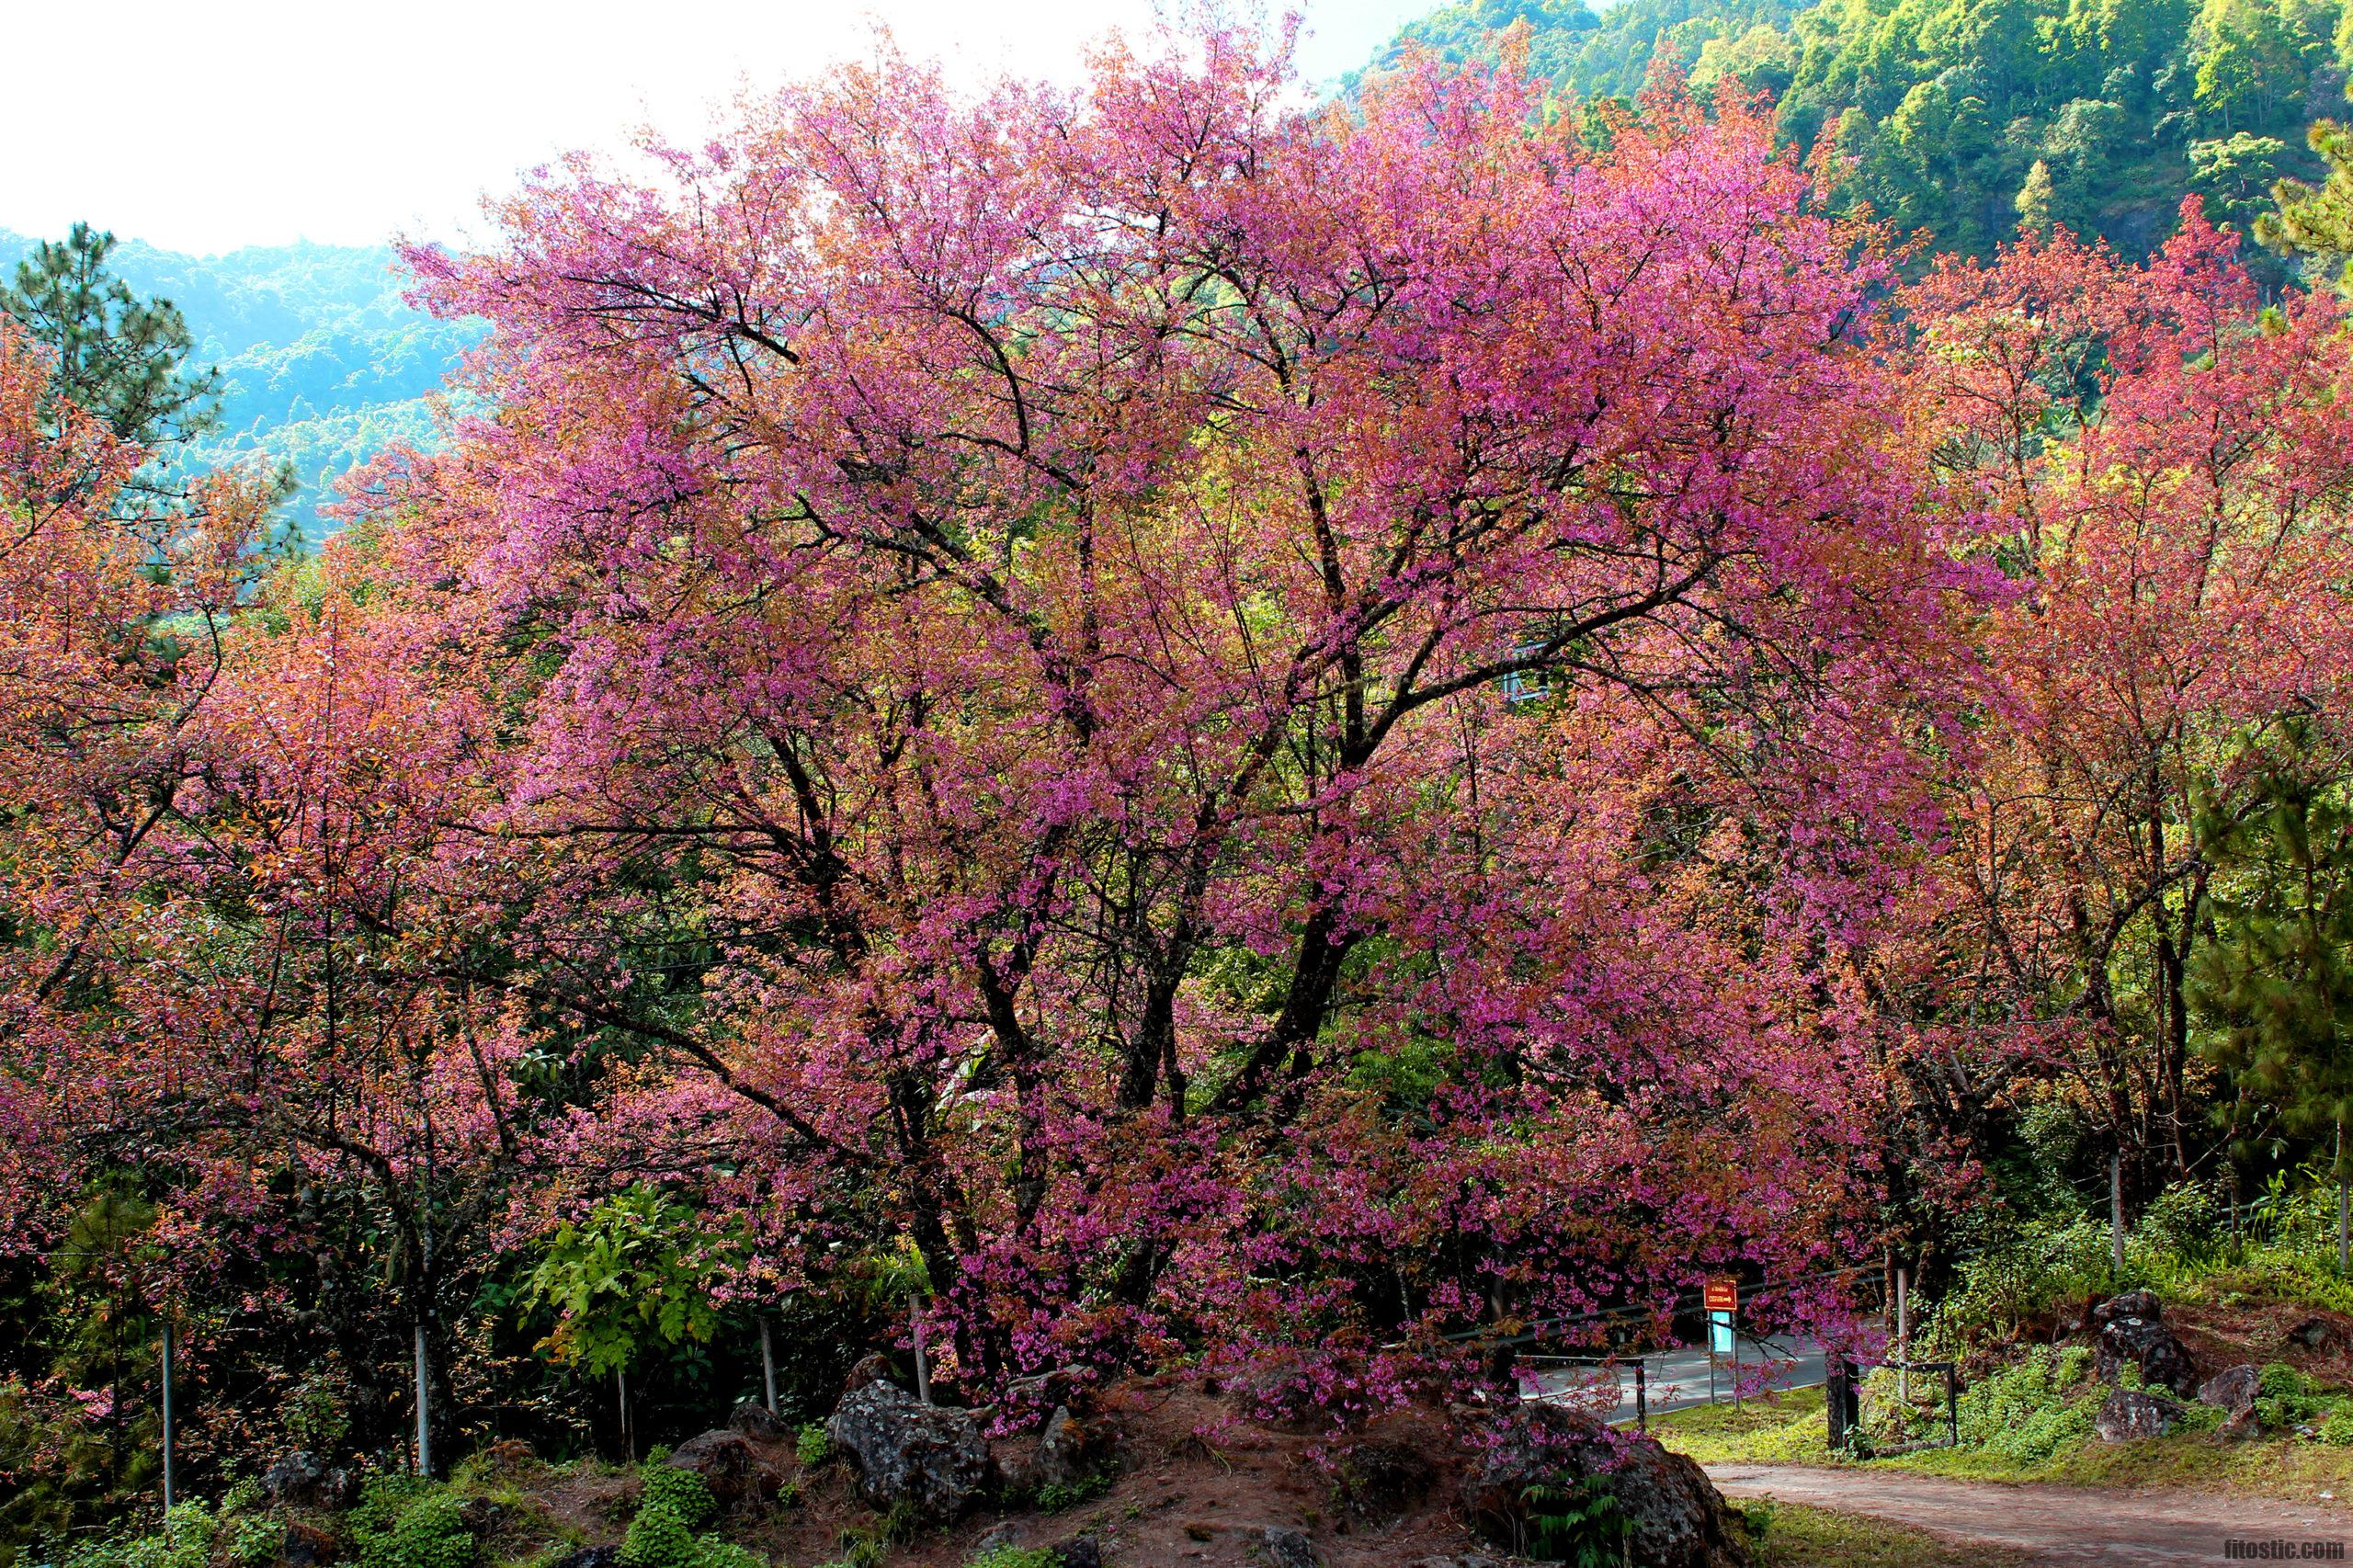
x=812, y=1446
x=1578, y=1521
x=402, y=1522
x=321, y=363
x=681, y=1490
x=1015, y=1557
x=638, y=1270
x=2316, y=219
x=2030, y=1411
x=121, y=357
x=1057, y=1495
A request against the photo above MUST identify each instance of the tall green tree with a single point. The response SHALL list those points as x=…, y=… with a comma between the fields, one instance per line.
x=119, y=357
x=2316, y=220
x=2276, y=984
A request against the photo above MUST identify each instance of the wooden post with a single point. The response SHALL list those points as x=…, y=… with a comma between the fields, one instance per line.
x=1838, y=1400
x=1735, y=1367
x=168, y=1416
x=621, y=1399
x=1952, y=1402
x=2116, y=1211
x=767, y=1362
x=1642, y=1398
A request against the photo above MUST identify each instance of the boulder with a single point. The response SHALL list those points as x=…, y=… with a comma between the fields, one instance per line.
x=758, y=1423
x=728, y=1466
x=1288, y=1548
x=2130, y=1414
x=2317, y=1334
x=2132, y=1332
x=1379, y=1478
x=930, y=1456
x=2233, y=1389
x=1078, y=1551
x=303, y=1480
x=1070, y=1449
x=1676, y=1517
x=2239, y=1428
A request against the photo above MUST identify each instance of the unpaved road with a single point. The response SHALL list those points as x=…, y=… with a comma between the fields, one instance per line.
x=2071, y=1525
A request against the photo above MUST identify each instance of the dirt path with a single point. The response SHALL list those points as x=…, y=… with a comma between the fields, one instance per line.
x=2073, y=1525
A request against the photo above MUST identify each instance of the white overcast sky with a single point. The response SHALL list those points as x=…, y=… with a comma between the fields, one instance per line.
x=203, y=125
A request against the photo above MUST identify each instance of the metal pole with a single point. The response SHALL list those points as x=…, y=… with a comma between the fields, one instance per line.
x=923, y=1362
x=2116, y=1209
x=1642, y=1398
x=1952, y=1403
x=767, y=1362
x=167, y=1417
x=424, y=1407
x=1902, y=1334
x=1735, y=1367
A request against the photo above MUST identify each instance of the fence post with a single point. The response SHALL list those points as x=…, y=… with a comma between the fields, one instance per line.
x=1952, y=1401
x=1641, y=1396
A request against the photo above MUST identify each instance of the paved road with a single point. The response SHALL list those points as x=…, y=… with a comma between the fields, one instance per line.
x=2080, y=1526
x=1679, y=1378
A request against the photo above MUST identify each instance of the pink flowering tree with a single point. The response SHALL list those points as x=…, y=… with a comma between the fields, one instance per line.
x=1252, y=724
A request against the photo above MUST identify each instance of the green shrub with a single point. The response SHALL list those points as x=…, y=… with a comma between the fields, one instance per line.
x=682, y=1490
x=2030, y=1411
x=402, y=1522
x=811, y=1446
x=660, y=1538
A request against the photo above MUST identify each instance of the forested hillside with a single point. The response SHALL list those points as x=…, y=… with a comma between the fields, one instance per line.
x=1967, y=117
x=322, y=363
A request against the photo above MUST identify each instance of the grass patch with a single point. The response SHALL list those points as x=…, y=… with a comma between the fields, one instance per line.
x=1798, y=1537
x=1792, y=1429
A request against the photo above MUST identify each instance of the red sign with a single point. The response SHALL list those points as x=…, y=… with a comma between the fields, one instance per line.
x=1721, y=1295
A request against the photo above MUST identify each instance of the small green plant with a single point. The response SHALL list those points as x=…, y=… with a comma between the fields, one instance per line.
x=2030, y=1411
x=1758, y=1518
x=681, y=1490
x=660, y=1538
x=1578, y=1522
x=1057, y=1495
x=811, y=1446
x=403, y=1523
x=1015, y=1557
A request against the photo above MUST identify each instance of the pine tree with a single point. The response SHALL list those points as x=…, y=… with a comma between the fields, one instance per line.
x=121, y=357
x=2276, y=984
x=2316, y=220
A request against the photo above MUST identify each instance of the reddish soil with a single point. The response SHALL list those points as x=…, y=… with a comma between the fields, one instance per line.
x=1197, y=1487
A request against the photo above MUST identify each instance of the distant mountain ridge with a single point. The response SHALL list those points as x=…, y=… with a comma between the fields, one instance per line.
x=323, y=362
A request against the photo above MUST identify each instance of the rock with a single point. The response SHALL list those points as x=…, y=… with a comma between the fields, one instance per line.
x=1069, y=1451
x=1079, y=1551
x=758, y=1423
x=590, y=1557
x=1674, y=1515
x=1004, y=1536
x=931, y=1457
x=1288, y=1548
x=2131, y=1332
x=2316, y=1333
x=873, y=1368
x=728, y=1466
x=302, y=1480
x=2130, y=1414
x=2239, y=1428
x=306, y=1546
x=2232, y=1390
